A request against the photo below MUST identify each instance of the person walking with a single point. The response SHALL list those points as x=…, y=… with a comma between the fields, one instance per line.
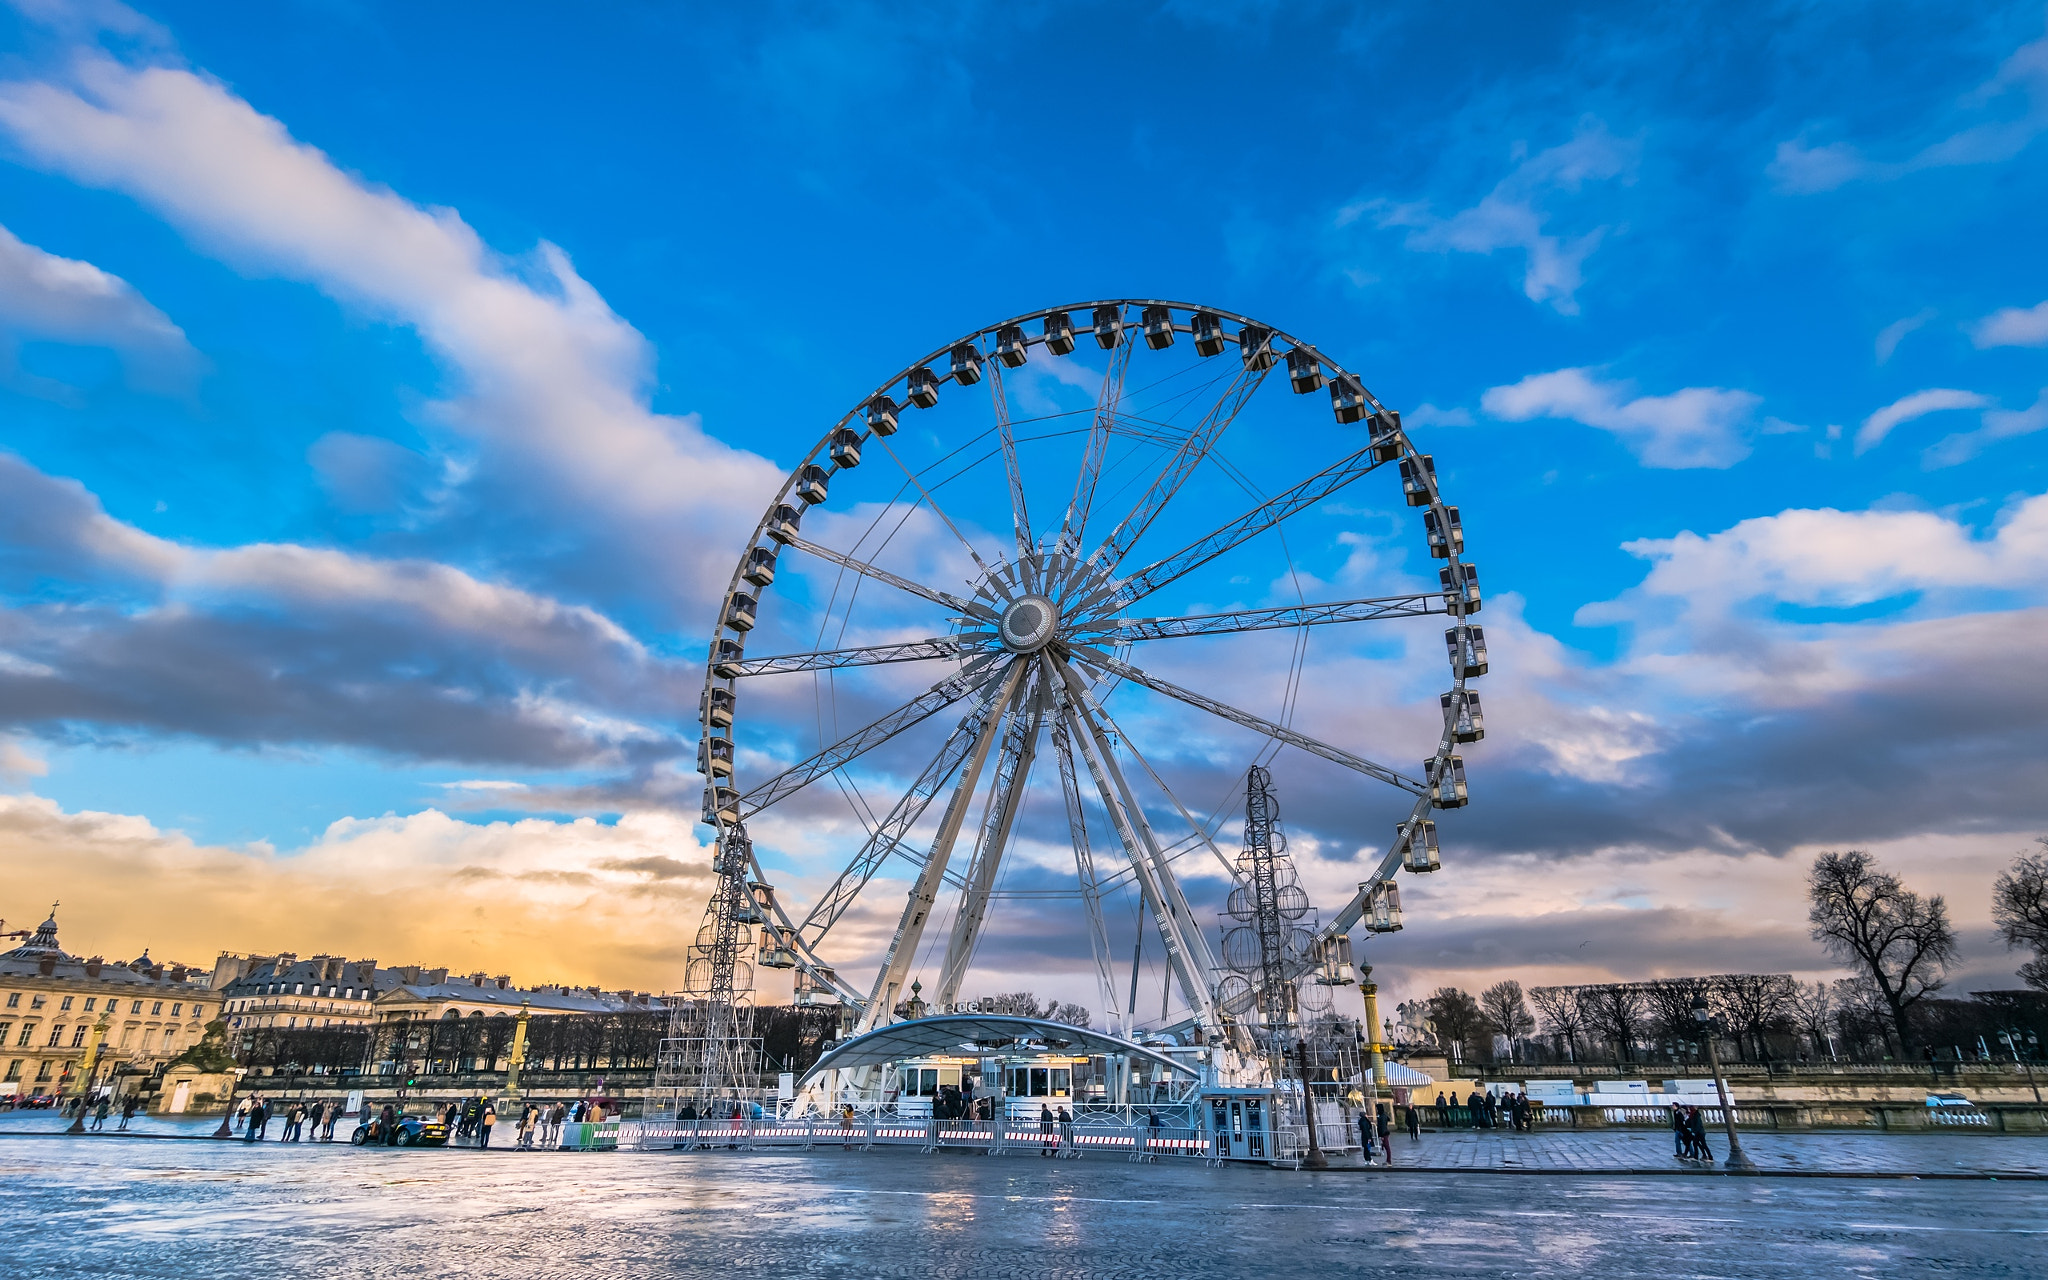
x=389, y=1122
x=327, y=1125
x=1681, y=1135
x=485, y=1119
x=1365, y=1135
x=1384, y=1119
x=1046, y=1137
x=127, y=1110
x=100, y=1110
x=241, y=1123
x=1697, y=1123
x=1066, y=1120
x=1414, y=1124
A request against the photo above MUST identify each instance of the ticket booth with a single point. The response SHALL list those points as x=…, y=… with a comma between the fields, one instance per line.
x=1240, y=1123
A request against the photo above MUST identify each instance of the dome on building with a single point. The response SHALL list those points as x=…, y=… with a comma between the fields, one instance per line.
x=43, y=944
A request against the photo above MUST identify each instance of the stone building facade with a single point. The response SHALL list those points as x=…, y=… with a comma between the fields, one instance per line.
x=55, y=1006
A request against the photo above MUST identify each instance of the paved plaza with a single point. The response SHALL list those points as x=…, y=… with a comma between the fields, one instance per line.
x=137, y=1207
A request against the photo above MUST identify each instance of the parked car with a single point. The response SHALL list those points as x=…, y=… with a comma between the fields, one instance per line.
x=413, y=1131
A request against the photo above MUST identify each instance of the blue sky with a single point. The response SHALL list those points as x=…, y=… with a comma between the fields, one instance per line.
x=387, y=393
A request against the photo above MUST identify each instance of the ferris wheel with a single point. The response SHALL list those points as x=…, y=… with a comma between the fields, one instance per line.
x=968, y=571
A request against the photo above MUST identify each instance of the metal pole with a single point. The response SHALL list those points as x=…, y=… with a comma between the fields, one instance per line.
x=1314, y=1159
x=1737, y=1158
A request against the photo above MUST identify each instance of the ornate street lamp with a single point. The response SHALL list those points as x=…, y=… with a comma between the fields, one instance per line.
x=1737, y=1159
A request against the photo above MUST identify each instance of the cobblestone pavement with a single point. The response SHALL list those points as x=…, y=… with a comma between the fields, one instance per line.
x=1650, y=1150
x=135, y=1209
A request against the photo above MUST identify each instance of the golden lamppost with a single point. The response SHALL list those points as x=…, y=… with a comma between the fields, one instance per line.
x=518, y=1059
x=89, y=1069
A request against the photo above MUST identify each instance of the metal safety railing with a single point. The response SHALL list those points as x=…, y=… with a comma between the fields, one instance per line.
x=873, y=1129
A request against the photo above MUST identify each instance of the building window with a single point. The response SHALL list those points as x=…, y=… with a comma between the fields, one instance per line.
x=298, y=988
x=35, y=1002
x=136, y=1007
x=78, y=1035
x=127, y=1035
x=66, y=1006
x=56, y=1036
x=198, y=1011
x=174, y=1009
x=14, y=999
x=156, y=1008
x=43, y=1071
x=14, y=1069
x=89, y=1003
x=4, y=1029
x=170, y=1036
x=27, y=1029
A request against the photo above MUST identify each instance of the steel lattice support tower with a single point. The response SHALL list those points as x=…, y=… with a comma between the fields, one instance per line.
x=1261, y=863
x=711, y=1049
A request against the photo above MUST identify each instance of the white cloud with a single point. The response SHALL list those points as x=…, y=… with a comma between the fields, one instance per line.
x=482, y=784
x=2013, y=327
x=521, y=897
x=1999, y=424
x=1428, y=415
x=1693, y=427
x=549, y=376
x=43, y=296
x=1829, y=558
x=1889, y=337
x=1511, y=216
x=1800, y=168
x=1906, y=408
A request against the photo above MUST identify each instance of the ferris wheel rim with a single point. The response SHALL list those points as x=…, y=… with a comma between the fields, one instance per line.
x=957, y=689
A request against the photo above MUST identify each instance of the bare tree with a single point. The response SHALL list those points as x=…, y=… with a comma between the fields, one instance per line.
x=1562, y=1017
x=1615, y=1011
x=1507, y=1012
x=1073, y=1015
x=1867, y=918
x=1456, y=1018
x=1756, y=1004
x=1813, y=1007
x=2019, y=907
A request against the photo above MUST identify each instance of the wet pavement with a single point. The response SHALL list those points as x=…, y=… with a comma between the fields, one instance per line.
x=141, y=1208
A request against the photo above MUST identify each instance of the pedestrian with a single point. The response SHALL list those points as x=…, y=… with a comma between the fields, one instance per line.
x=556, y=1119
x=1697, y=1123
x=292, y=1116
x=99, y=1112
x=487, y=1118
x=1066, y=1120
x=388, y=1126
x=1384, y=1116
x=1414, y=1124
x=127, y=1110
x=1365, y=1134
x=1046, y=1137
x=242, y=1116
x=846, y=1126
x=1681, y=1136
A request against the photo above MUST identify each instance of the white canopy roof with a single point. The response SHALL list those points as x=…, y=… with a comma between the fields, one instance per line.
x=977, y=1034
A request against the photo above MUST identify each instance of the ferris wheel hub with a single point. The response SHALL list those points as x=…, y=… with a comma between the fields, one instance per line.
x=1029, y=623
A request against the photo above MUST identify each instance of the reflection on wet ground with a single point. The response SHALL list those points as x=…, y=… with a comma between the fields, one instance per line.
x=184, y=1209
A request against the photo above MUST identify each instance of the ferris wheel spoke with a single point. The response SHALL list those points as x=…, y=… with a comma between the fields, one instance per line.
x=1084, y=854
x=1099, y=434
x=887, y=837
x=1195, y=825
x=1020, y=518
x=1257, y=724
x=843, y=752
x=924, y=891
x=1178, y=468
x=1252, y=523
x=866, y=570
x=835, y=659
x=1006, y=795
x=1127, y=630
x=1187, y=950
x=937, y=510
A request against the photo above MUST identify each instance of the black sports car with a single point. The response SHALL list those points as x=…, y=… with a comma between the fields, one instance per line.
x=412, y=1131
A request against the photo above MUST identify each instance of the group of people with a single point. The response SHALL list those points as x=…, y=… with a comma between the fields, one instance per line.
x=1054, y=1129
x=1689, y=1134
x=302, y=1123
x=1491, y=1111
x=104, y=1107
